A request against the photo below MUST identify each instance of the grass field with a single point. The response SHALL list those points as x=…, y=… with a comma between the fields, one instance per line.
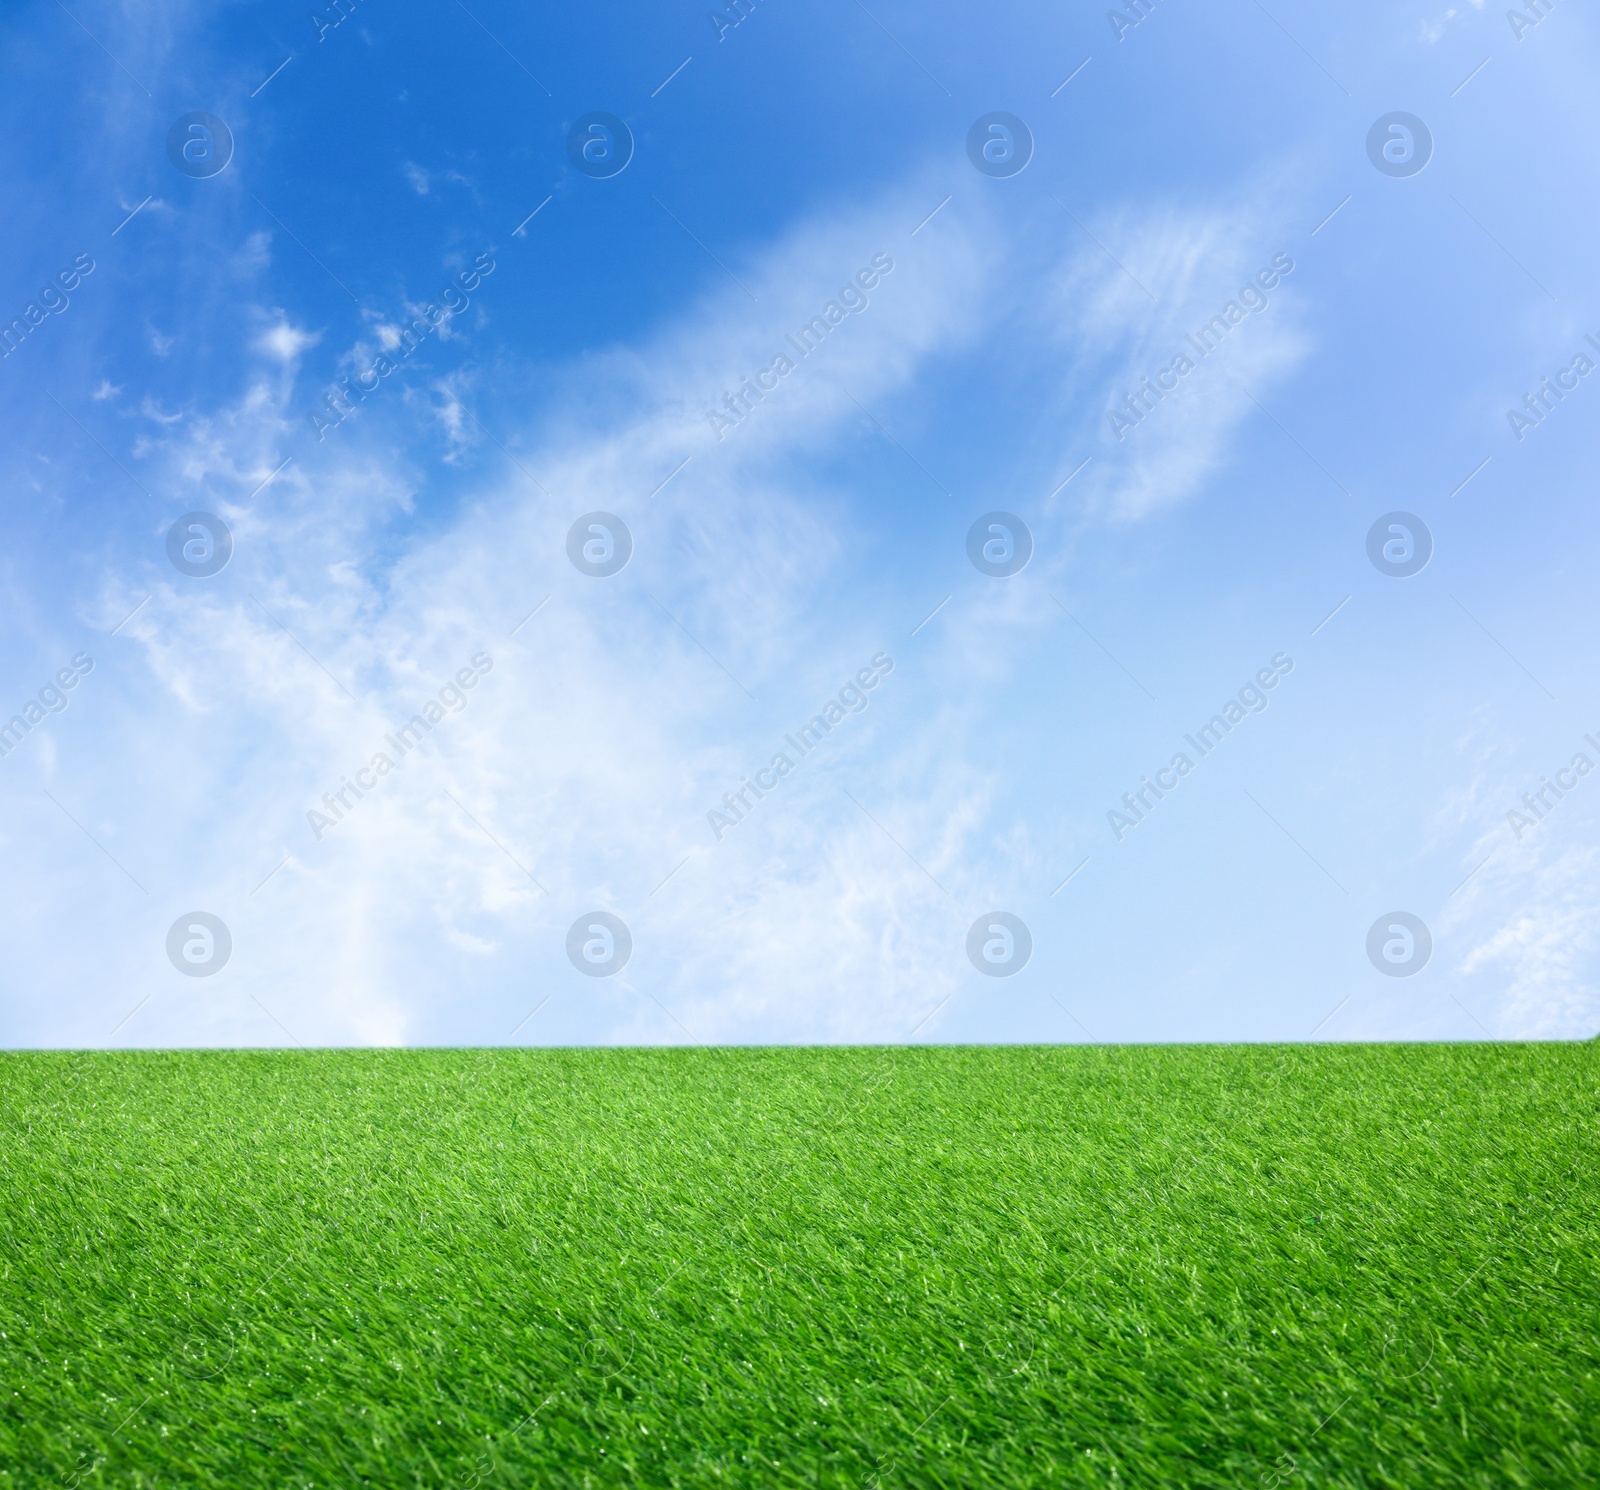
x=1260, y=1266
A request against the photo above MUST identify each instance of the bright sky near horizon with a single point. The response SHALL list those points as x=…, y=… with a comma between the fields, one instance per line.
x=798, y=523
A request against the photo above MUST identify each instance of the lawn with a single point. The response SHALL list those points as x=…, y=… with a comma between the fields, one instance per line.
x=1140, y=1266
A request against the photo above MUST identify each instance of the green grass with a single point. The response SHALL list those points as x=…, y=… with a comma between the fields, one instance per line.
x=960, y=1267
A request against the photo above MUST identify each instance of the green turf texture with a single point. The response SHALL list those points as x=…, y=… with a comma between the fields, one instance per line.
x=1147, y=1266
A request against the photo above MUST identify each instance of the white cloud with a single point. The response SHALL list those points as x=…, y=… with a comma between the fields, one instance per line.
x=590, y=753
x=422, y=181
x=1534, y=932
x=254, y=256
x=1190, y=267
x=1432, y=28
x=451, y=416
x=285, y=341
x=151, y=409
x=585, y=751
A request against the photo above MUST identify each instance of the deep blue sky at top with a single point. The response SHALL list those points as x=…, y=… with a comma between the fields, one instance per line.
x=793, y=112
x=796, y=110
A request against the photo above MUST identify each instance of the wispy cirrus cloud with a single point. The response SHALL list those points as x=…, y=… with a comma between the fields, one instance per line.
x=583, y=768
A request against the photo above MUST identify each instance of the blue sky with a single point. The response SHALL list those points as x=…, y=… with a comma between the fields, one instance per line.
x=596, y=324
